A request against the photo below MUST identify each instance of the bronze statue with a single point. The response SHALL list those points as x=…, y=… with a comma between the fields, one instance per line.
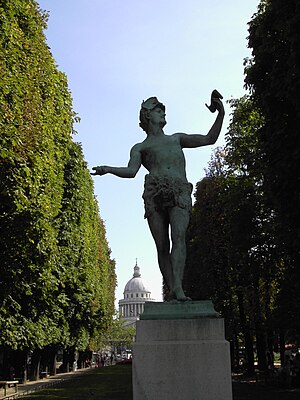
x=167, y=193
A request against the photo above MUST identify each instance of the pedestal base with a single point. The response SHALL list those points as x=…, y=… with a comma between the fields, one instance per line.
x=181, y=359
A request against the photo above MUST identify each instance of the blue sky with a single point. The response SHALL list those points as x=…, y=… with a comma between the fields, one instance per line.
x=116, y=54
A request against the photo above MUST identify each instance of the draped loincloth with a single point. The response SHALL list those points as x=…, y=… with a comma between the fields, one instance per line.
x=164, y=192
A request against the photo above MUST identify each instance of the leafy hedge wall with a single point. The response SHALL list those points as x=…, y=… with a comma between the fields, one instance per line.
x=56, y=275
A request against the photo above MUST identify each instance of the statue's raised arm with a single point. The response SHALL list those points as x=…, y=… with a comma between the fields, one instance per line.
x=197, y=140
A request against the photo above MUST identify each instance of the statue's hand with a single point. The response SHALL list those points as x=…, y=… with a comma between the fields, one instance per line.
x=101, y=170
x=215, y=102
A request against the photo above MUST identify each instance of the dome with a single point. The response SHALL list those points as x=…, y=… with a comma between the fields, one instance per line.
x=135, y=297
x=135, y=284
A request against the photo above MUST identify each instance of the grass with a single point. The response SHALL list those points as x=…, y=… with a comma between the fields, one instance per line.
x=115, y=383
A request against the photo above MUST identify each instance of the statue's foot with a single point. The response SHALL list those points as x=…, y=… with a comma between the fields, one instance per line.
x=171, y=297
x=185, y=298
x=179, y=294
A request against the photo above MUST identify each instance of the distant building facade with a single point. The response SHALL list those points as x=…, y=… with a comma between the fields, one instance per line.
x=135, y=296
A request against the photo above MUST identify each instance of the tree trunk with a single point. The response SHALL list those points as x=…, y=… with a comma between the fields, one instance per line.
x=270, y=351
x=35, y=365
x=261, y=347
x=282, y=346
x=81, y=360
x=66, y=360
x=246, y=333
x=72, y=358
x=236, y=355
x=52, y=361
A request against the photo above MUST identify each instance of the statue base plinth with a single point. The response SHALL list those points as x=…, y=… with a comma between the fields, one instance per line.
x=181, y=358
x=178, y=310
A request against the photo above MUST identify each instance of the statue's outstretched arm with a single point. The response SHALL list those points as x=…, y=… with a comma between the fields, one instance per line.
x=130, y=171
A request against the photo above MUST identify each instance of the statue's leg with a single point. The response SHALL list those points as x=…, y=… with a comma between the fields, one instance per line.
x=179, y=220
x=159, y=227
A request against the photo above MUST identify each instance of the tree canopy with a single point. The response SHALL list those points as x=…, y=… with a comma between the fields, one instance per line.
x=243, y=238
x=56, y=274
x=273, y=77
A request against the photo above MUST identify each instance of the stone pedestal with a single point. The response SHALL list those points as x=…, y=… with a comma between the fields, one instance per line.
x=183, y=356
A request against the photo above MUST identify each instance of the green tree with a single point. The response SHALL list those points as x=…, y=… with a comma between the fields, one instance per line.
x=273, y=77
x=86, y=272
x=231, y=237
x=117, y=335
x=36, y=121
x=219, y=238
x=56, y=275
x=261, y=256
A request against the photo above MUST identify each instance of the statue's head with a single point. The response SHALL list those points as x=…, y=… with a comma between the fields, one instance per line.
x=146, y=107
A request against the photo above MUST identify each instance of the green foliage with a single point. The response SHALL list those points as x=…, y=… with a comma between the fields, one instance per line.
x=244, y=234
x=56, y=275
x=117, y=334
x=86, y=272
x=243, y=148
x=233, y=257
x=273, y=76
x=204, y=271
x=36, y=125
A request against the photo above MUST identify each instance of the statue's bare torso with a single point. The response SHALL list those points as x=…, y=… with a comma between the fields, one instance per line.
x=163, y=156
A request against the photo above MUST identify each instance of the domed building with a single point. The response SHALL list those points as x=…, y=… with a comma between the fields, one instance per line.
x=135, y=296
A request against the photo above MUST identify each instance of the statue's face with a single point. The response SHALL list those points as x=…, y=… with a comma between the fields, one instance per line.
x=157, y=117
